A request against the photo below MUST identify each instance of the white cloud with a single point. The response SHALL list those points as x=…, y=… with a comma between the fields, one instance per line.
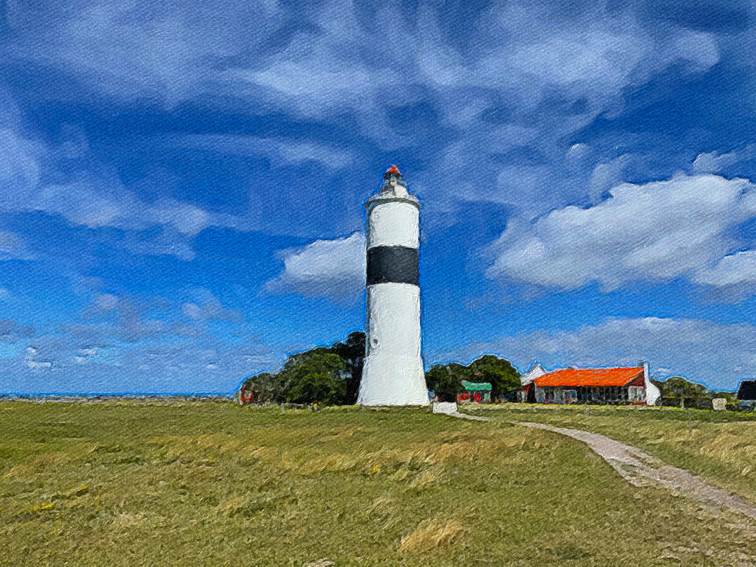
x=94, y=197
x=11, y=331
x=86, y=354
x=594, y=55
x=127, y=51
x=207, y=307
x=105, y=301
x=661, y=230
x=718, y=354
x=97, y=203
x=714, y=162
x=34, y=362
x=112, y=317
x=5, y=294
x=550, y=71
x=192, y=310
x=13, y=247
x=279, y=150
x=166, y=243
x=179, y=52
x=125, y=343
x=20, y=166
x=332, y=268
x=733, y=270
x=64, y=364
x=577, y=152
x=606, y=175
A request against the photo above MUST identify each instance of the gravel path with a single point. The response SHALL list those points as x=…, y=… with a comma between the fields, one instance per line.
x=641, y=469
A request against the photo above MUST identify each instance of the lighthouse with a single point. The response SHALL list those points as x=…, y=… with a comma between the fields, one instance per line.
x=393, y=372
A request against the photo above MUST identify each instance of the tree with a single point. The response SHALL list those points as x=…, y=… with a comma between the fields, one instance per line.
x=500, y=373
x=314, y=376
x=352, y=352
x=332, y=375
x=329, y=375
x=265, y=387
x=679, y=391
x=446, y=380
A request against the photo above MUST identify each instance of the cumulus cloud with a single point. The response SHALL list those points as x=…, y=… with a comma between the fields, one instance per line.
x=735, y=273
x=714, y=162
x=606, y=175
x=330, y=268
x=514, y=77
x=718, y=354
x=681, y=227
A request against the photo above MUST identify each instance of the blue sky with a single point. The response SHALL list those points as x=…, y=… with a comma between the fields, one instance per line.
x=181, y=184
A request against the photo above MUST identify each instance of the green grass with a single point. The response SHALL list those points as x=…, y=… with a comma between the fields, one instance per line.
x=718, y=446
x=210, y=483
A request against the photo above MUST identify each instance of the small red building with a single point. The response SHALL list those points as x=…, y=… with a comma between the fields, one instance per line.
x=246, y=394
x=475, y=392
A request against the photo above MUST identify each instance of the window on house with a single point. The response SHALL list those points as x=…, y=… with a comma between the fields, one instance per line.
x=635, y=394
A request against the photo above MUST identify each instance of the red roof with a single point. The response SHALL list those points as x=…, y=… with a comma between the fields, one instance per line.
x=589, y=377
x=393, y=170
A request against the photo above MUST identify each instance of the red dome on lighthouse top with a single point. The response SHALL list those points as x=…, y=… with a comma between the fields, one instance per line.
x=393, y=170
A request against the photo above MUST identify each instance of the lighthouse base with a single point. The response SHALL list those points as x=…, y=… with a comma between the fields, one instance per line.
x=390, y=380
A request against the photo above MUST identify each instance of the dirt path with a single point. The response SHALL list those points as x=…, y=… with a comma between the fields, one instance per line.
x=641, y=469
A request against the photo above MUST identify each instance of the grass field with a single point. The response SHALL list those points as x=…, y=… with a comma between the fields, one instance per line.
x=718, y=446
x=210, y=483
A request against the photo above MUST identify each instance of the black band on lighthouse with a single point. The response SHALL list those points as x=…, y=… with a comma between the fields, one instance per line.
x=392, y=264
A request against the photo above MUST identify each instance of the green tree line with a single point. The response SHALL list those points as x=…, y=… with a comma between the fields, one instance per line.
x=677, y=391
x=327, y=375
x=331, y=375
x=446, y=379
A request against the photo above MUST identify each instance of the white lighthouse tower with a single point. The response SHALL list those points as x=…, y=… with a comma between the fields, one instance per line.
x=393, y=372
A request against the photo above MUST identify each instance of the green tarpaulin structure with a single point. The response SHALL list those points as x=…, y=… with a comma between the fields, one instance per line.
x=476, y=386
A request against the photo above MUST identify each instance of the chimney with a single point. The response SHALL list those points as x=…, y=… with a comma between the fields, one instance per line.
x=652, y=392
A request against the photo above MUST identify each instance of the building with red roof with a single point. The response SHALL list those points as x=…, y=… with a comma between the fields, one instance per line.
x=622, y=385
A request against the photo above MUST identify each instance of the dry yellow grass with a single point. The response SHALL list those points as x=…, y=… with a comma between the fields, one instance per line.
x=128, y=520
x=431, y=535
x=428, y=477
x=38, y=464
x=213, y=484
x=719, y=446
